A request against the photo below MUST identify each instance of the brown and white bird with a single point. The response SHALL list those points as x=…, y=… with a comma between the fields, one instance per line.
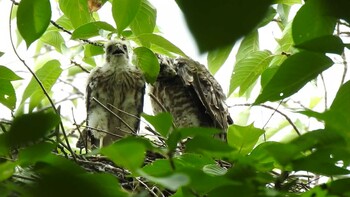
x=118, y=86
x=187, y=90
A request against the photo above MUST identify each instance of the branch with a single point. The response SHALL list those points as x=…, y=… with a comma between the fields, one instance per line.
x=278, y=111
x=39, y=83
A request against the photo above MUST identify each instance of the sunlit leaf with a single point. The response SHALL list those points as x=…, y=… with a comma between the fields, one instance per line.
x=214, y=169
x=92, y=29
x=76, y=10
x=7, y=94
x=7, y=169
x=53, y=38
x=161, y=42
x=249, y=44
x=92, y=50
x=288, y=2
x=324, y=44
x=162, y=122
x=8, y=74
x=64, y=22
x=216, y=58
x=208, y=19
x=48, y=75
x=33, y=18
x=172, y=182
x=147, y=61
x=243, y=138
x=124, y=12
x=293, y=74
x=312, y=21
x=247, y=70
x=145, y=19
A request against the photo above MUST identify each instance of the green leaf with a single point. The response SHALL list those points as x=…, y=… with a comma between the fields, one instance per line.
x=124, y=12
x=293, y=74
x=324, y=44
x=77, y=11
x=7, y=74
x=248, y=70
x=159, y=167
x=7, y=169
x=1, y=53
x=161, y=42
x=35, y=153
x=33, y=18
x=214, y=169
x=162, y=122
x=145, y=19
x=92, y=29
x=208, y=146
x=197, y=131
x=249, y=44
x=64, y=22
x=339, y=9
x=47, y=74
x=208, y=19
x=216, y=58
x=128, y=153
x=92, y=50
x=288, y=2
x=148, y=63
x=283, y=153
x=243, y=138
x=267, y=75
x=339, y=187
x=53, y=38
x=31, y=127
x=312, y=21
x=7, y=94
x=172, y=182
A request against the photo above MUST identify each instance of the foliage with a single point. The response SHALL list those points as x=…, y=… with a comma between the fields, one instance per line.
x=36, y=153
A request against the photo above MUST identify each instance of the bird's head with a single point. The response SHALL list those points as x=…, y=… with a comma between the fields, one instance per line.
x=117, y=51
x=167, y=69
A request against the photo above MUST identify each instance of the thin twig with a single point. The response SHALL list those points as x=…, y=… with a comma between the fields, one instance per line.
x=325, y=91
x=278, y=111
x=146, y=186
x=40, y=84
x=345, y=64
x=80, y=66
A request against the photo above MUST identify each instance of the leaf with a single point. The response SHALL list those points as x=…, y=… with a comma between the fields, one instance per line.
x=124, y=12
x=1, y=54
x=35, y=153
x=148, y=63
x=208, y=146
x=216, y=58
x=48, y=75
x=7, y=74
x=312, y=21
x=339, y=9
x=293, y=74
x=77, y=11
x=324, y=44
x=161, y=42
x=243, y=138
x=53, y=38
x=145, y=19
x=214, y=169
x=267, y=75
x=31, y=127
x=288, y=2
x=33, y=18
x=91, y=29
x=208, y=19
x=172, y=182
x=162, y=122
x=92, y=50
x=247, y=70
x=7, y=94
x=249, y=44
x=7, y=169
x=64, y=22
x=120, y=153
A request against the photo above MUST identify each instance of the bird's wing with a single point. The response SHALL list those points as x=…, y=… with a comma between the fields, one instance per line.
x=207, y=89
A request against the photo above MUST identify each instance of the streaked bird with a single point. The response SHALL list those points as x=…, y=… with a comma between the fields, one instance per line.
x=187, y=90
x=114, y=99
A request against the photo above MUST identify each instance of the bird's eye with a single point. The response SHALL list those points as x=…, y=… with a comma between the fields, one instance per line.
x=109, y=49
x=124, y=47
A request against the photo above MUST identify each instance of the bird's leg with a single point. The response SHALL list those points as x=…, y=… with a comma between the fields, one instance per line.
x=101, y=142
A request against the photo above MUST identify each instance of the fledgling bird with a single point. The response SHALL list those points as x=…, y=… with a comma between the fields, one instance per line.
x=187, y=90
x=119, y=86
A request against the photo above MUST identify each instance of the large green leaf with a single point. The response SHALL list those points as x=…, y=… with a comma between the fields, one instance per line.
x=124, y=12
x=172, y=182
x=339, y=9
x=247, y=70
x=162, y=122
x=91, y=29
x=7, y=74
x=7, y=94
x=76, y=10
x=216, y=58
x=7, y=169
x=293, y=74
x=243, y=138
x=145, y=19
x=249, y=44
x=33, y=18
x=92, y=50
x=148, y=63
x=324, y=44
x=128, y=152
x=35, y=153
x=47, y=74
x=161, y=42
x=222, y=20
x=312, y=21
x=54, y=38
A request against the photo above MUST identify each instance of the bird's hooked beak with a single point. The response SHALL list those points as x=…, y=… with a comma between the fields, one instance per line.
x=117, y=49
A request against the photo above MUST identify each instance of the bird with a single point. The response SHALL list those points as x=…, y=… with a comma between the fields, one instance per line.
x=187, y=90
x=114, y=97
